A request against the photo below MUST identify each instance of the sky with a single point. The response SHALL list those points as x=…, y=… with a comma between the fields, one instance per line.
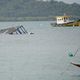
x=70, y=1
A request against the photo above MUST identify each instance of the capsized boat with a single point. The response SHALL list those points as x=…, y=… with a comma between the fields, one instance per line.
x=66, y=21
x=14, y=30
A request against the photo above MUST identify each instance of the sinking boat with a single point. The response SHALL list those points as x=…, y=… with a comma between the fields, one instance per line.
x=75, y=64
x=65, y=21
x=14, y=30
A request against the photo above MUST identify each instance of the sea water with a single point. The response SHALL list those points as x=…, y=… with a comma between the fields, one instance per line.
x=41, y=56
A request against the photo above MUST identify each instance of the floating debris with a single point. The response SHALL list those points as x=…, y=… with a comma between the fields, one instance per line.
x=70, y=54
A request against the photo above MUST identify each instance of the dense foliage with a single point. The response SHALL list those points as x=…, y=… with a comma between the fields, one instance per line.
x=34, y=8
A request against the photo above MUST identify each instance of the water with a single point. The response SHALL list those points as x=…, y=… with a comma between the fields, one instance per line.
x=41, y=56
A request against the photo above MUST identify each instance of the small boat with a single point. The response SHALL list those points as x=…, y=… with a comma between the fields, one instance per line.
x=75, y=64
x=65, y=21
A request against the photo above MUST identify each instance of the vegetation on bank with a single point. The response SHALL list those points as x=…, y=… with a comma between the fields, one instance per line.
x=35, y=10
x=27, y=18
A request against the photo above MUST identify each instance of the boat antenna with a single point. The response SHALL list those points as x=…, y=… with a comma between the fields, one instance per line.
x=64, y=14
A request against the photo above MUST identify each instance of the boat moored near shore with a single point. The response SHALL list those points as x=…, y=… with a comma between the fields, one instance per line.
x=64, y=21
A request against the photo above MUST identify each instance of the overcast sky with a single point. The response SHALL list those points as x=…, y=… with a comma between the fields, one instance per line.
x=70, y=1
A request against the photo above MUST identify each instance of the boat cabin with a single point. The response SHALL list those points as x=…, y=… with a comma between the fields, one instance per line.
x=62, y=19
